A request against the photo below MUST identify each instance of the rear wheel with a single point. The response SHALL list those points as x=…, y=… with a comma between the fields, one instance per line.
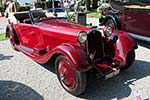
x=11, y=39
x=12, y=44
x=130, y=59
x=71, y=80
x=11, y=36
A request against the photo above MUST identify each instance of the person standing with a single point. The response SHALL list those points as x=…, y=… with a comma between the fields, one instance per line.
x=66, y=4
x=77, y=5
x=3, y=2
x=13, y=6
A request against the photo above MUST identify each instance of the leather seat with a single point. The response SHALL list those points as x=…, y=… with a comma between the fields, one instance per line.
x=27, y=21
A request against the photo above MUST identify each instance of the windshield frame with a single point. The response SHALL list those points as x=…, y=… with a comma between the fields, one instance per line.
x=34, y=14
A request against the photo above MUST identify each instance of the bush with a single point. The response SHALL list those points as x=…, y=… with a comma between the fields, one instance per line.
x=1, y=8
x=103, y=9
x=24, y=8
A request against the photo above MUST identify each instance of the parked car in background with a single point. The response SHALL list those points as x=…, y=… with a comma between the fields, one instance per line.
x=132, y=16
x=76, y=49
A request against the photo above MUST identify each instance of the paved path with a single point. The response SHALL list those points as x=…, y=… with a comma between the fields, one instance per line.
x=23, y=79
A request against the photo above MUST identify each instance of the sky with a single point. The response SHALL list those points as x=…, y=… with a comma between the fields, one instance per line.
x=25, y=1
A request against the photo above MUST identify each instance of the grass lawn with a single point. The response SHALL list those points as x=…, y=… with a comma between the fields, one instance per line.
x=2, y=36
x=93, y=13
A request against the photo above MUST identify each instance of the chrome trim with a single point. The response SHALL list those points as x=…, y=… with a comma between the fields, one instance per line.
x=144, y=38
x=29, y=50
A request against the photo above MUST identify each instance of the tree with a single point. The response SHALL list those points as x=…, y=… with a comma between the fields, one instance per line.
x=94, y=4
x=87, y=4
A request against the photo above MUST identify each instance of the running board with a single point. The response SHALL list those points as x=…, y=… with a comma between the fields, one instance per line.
x=26, y=49
x=144, y=38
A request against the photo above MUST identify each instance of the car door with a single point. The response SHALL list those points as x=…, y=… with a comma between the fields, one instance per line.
x=29, y=36
x=137, y=22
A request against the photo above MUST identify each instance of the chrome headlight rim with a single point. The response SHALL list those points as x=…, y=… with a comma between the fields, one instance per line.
x=82, y=37
x=108, y=30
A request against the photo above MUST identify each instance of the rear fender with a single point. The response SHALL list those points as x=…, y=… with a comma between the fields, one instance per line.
x=123, y=46
x=11, y=33
x=115, y=19
x=76, y=55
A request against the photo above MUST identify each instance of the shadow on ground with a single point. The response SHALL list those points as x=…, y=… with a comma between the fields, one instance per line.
x=50, y=66
x=10, y=90
x=118, y=86
x=4, y=57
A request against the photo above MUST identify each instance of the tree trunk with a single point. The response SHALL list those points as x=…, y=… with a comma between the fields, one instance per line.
x=87, y=4
x=94, y=5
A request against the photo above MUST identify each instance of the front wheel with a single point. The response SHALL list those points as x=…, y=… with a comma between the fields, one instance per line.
x=129, y=59
x=71, y=80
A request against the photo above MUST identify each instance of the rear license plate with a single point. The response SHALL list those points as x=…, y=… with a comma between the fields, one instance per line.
x=112, y=74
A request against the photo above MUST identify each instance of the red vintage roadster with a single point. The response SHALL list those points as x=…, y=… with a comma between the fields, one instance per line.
x=76, y=49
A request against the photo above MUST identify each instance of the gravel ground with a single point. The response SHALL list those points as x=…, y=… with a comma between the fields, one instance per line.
x=23, y=79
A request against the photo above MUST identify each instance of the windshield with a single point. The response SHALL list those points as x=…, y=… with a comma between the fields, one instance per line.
x=40, y=15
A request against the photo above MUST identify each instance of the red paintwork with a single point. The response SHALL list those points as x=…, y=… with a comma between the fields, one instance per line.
x=135, y=21
x=59, y=36
x=123, y=46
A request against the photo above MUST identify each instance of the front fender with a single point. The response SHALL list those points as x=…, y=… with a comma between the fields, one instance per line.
x=123, y=46
x=115, y=19
x=76, y=55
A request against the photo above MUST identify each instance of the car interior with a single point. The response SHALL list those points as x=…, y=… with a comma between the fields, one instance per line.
x=23, y=17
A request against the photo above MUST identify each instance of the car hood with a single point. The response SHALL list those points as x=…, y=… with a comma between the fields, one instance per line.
x=63, y=26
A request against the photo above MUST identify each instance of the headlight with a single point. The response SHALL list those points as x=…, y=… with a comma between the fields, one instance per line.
x=82, y=37
x=108, y=31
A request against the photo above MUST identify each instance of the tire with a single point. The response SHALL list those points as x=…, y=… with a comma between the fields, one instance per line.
x=129, y=59
x=12, y=43
x=11, y=38
x=111, y=23
x=71, y=80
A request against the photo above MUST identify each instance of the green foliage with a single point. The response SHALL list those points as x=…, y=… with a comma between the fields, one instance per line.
x=93, y=13
x=2, y=36
x=103, y=9
x=71, y=15
x=1, y=8
x=24, y=8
